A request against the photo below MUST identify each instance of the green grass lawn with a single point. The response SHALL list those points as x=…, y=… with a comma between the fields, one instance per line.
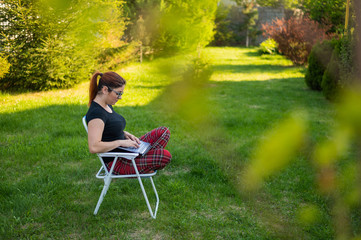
x=48, y=188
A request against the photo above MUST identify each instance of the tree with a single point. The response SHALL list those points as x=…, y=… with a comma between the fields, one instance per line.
x=54, y=44
x=288, y=4
x=328, y=13
x=224, y=35
x=140, y=35
x=184, y=25
x=133, y=9
x=251, y=15
x=171, y=26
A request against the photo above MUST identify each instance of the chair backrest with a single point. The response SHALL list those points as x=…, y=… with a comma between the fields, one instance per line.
x=100, y=158
x=84, y=123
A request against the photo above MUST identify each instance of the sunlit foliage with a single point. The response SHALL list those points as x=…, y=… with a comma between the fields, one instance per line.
x=185, y=25
x=4, y=66
x=53, y=44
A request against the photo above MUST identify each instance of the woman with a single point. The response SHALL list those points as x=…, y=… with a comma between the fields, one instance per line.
x=106, y=128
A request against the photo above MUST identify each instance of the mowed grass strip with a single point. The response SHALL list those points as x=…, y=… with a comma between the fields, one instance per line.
x=48, y=188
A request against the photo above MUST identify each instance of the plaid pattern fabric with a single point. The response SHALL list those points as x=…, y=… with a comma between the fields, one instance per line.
x=156, y=158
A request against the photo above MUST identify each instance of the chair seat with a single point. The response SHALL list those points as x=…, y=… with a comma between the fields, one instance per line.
x=102, y=174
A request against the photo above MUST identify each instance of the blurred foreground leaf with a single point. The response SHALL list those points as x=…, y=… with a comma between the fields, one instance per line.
x=276, y=150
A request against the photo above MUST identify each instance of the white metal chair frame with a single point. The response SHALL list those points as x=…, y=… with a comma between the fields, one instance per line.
x=107, y=176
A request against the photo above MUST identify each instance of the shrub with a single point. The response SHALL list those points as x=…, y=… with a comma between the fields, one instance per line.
x=341, y=72
x=317, y=63
x=295, y=36
x=4, y=66
x=269, y=46
x=331, y=77
x=348, y=55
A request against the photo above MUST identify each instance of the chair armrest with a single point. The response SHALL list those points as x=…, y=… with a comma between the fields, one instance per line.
x=118, y=154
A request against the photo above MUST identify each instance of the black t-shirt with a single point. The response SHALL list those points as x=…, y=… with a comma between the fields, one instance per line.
x=114, y=123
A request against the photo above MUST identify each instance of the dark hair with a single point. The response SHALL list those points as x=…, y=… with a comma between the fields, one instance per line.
x=109, y=79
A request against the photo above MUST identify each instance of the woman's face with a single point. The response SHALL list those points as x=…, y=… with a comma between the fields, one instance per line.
x=115, y=94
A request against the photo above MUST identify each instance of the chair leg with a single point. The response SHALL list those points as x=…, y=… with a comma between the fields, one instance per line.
x=153, y=214
x=156, y=194
x=102, y=195
x=107, y=181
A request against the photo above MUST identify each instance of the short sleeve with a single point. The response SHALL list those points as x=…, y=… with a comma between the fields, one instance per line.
x=95, y=112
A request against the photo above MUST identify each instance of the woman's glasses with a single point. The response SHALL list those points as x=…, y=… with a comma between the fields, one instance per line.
x=119, y=94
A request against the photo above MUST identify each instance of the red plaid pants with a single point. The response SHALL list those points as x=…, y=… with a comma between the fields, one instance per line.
x=156, y=158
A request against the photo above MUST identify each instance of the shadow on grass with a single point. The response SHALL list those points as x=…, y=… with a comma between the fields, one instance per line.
x=269, y=68
x=149, y=87
x=253, y=53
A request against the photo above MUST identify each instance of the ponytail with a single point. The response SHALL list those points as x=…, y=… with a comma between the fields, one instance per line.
x=93, y=87
x=110, y=79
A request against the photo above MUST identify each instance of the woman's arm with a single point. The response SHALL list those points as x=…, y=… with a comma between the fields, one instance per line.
x=95, y=143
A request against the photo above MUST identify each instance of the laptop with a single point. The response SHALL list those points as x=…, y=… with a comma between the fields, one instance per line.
x=143, y=148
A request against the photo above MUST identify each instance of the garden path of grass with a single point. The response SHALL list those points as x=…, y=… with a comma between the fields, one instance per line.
x=48, y=188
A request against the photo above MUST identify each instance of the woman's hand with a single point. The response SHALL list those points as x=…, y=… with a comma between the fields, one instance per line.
x=131, y=137
x=129, y=143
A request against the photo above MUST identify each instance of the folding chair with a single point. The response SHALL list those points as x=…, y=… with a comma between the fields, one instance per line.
x=107, y=176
